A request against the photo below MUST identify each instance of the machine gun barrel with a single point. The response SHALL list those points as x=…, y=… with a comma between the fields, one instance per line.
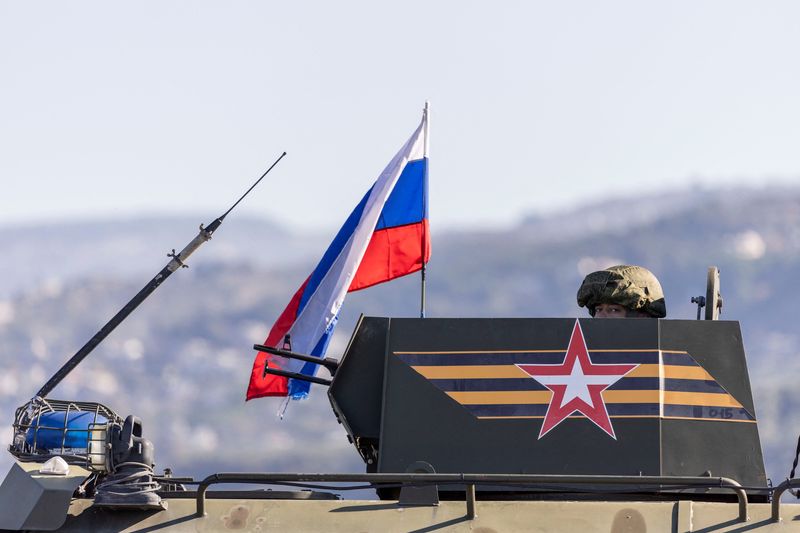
x=177, y=261
x=296, y=375
x=331, y=365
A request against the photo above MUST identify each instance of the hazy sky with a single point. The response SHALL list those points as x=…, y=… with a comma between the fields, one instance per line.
x=119, y=108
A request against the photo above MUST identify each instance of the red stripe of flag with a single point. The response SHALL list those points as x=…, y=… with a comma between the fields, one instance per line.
x=270, y=385
x=392, y=253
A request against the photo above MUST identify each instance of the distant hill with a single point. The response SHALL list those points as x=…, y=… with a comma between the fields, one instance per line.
x=54, y=253
x=182, y=360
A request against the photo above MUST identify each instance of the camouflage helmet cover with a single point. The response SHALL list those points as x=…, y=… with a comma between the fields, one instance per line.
x=630, y=286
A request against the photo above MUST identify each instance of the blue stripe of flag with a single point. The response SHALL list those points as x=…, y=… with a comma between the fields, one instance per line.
x=333, y=252
x=406, y=205
x=299, y=389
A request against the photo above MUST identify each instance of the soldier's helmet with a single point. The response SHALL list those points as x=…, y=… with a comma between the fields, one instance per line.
x=630, y=286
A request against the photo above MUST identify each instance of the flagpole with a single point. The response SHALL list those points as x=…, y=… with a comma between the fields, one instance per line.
x=425, y=118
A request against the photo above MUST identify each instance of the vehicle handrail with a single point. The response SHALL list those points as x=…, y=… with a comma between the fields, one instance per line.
x=777, y=492
x=470, y=480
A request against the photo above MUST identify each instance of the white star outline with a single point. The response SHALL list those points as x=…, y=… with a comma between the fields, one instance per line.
x=577, y=384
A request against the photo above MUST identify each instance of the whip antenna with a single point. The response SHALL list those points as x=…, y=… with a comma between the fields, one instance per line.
x=177, y=261
x=253, y=186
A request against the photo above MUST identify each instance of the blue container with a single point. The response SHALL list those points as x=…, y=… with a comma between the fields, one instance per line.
x=48, y=432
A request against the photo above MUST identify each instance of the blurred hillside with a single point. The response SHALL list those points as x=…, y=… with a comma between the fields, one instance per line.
x=182, y=360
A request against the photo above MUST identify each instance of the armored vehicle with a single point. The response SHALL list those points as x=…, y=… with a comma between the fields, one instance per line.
x=463, y=424
x=543, y=424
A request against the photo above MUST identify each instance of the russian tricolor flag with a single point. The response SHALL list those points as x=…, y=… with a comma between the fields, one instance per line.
x=385, y=237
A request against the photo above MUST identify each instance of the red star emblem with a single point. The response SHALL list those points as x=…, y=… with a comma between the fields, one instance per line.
x=576, y=385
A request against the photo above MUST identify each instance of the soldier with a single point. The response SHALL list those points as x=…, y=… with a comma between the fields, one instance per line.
x=622, y=291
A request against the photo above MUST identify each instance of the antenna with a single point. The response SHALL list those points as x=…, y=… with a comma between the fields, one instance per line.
x=177, y=261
